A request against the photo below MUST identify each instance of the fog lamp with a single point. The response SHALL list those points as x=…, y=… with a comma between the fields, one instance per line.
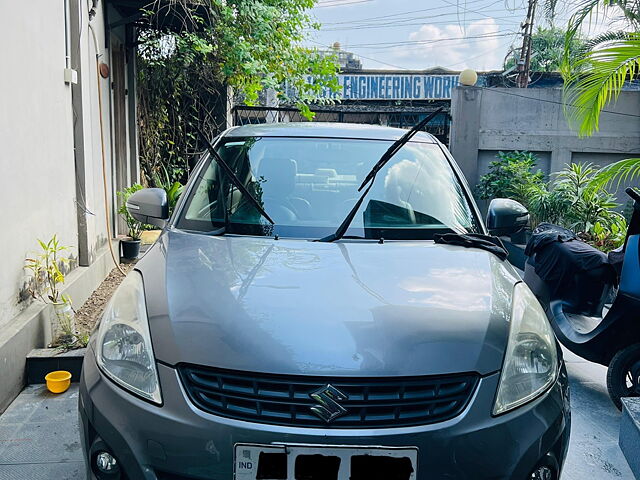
x=543, y=473
x=106, y=463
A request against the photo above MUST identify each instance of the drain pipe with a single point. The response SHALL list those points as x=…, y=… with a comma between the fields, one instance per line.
x=67, y=36
x=107, y=212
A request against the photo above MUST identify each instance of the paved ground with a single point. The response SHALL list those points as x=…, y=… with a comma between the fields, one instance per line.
x=39, y=439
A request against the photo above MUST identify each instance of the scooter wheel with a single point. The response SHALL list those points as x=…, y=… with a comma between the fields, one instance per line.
x=623, y=375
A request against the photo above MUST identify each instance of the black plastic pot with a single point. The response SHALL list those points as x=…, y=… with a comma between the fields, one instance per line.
x=130, y=249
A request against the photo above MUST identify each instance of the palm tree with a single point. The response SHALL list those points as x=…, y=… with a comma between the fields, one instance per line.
x=596, y=78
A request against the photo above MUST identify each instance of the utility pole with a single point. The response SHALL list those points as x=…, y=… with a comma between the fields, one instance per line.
x=524, y=62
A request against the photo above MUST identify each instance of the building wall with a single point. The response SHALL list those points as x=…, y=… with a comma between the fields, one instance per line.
x=50, y=137
x=36, y=155
x=487, y=120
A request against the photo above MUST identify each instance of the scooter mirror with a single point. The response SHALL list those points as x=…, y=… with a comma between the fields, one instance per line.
x=633, y=194
x=506, y=217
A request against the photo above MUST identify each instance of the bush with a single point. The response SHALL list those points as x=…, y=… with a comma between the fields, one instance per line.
x=510, y=177
x=573, y=199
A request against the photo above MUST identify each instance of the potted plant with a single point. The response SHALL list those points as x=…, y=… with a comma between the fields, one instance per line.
x=130, y=246
x=45, y=285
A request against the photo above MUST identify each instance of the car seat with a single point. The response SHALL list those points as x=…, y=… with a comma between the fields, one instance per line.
x=279, y=183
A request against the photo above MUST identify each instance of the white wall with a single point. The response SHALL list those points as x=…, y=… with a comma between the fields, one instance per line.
x=89, y=46
x=36, y=142
x=38, y=181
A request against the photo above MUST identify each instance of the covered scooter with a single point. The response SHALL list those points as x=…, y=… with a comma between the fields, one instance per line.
x=592, y=299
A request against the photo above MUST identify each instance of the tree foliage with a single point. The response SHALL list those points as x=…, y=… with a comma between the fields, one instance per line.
x=185, y=70
x=548, y=45
x=595, y=77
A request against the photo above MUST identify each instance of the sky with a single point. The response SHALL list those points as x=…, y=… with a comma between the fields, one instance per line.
x=421, y=34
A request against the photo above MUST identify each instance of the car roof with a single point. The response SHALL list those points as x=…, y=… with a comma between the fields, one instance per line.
x=326, y=130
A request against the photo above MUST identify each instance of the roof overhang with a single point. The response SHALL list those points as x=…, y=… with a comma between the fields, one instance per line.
x=170, y=14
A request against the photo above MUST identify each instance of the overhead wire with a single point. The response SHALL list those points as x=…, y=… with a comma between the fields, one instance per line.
x=401, y=19
x=383, y=45
x=339, y=3
x=385, y=17
x=503, y=44
x=413, y=22
x=369, y=58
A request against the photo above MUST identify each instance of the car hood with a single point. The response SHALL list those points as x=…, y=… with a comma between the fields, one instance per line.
x=344, y=308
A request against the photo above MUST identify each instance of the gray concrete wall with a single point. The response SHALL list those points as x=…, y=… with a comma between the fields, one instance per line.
x=487, y=120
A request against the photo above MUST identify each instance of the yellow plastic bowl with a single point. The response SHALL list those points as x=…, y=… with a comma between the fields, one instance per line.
x=59, y=381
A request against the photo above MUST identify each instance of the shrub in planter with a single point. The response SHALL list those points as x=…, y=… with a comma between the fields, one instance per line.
x=131, y=246
x=510, y=177
x=47, y=278
x=574, y=201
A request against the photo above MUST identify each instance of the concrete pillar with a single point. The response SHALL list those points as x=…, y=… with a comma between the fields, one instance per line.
x=84, y=249
x=132, y=103
x=466, y=104
x=272, y=101
x=222, y=111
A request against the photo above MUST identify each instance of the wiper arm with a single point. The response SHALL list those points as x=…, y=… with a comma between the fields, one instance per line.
x=371, y=176
x=236, y=181
x=397, y=145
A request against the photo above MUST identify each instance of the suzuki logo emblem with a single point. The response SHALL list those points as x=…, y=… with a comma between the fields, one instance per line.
x=328, y=408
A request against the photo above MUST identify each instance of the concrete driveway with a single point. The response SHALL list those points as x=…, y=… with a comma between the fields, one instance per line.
x=39, y=432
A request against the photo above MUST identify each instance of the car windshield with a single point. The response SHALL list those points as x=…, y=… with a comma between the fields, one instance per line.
x=308, y=185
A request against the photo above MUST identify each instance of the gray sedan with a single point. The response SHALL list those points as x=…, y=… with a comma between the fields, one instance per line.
x=297, y=320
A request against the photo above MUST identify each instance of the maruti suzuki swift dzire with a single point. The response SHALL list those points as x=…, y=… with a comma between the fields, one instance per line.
x=296, y=319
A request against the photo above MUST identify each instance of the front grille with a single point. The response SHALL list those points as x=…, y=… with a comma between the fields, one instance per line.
x=373, y=402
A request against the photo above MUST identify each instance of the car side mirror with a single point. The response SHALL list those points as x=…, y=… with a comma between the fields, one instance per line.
x=149, y=205
x=506, y=216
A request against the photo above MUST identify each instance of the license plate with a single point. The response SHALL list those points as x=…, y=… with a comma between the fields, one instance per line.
x=323, y=462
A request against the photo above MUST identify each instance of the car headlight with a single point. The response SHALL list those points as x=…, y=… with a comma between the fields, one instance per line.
x=124, y=351
x=531, y=359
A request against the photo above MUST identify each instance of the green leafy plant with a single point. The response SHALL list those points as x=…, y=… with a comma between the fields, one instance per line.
x=173, y=194
x=595, y=75
x=47, y=275
x=134, y=226
x=586, y=205
x=47, y=280
x=608, y=237
x=571, y=200
x=510, y=177
x=162, y=179
x=545, y=204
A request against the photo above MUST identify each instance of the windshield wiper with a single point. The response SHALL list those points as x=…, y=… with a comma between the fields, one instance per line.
x=236, y=181
x=371, y=176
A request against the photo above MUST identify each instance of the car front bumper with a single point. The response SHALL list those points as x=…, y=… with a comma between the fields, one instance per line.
x=177, y=441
